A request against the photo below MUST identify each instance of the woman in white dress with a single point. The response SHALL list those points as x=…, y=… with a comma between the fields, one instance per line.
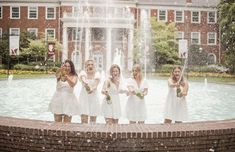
x=136, y=111
x=88, y=98
x=176, y=105
x=111, y=107
x=64, y=103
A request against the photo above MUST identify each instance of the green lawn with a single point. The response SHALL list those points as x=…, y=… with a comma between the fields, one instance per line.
x=229, y=79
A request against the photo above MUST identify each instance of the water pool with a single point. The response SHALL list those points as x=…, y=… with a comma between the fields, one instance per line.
x=29, y=98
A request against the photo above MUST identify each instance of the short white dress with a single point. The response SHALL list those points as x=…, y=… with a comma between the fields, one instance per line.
x=175, y=107
x=89, y=103
x=136, y=108
x=112, y=109
x=64, y=100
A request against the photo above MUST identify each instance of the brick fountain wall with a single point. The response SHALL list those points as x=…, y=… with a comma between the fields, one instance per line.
x=34, y=135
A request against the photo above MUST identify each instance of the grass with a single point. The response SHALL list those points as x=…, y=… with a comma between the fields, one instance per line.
x=211, y=77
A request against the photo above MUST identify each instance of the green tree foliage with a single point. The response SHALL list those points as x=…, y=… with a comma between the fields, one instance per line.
x=197, y=56
x=4, y=48
x=36, y=49
x=164, y=44
x=226, y=10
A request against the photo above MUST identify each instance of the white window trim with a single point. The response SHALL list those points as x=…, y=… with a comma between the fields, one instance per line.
x=208, y=17
x=166, y=19
x=36, y=29
x=46, y=33
x=0, y=32
x=14, y=28
x=182, y=16
x=176, y=33
x=199, y=17
x=54, y=13
x=199, y=38
x=29, y=13
x=1, y=12
x=11, y=12
x=208, y=38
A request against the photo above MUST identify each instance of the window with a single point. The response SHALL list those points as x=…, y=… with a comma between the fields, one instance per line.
x=98, y=34
x=0, y=32
x=179, y=35
x=32, y=12
x=14, y=31
x=76, y=35
x=162, y=15
x=195, y=17
x=179, y=16
x=50, y=33
x=211, y=17
x=1, y=12
x=195, y=38
x=15, y=12
x=50, y=13
x=75, y=10
x=33, y=31
x=211, y=38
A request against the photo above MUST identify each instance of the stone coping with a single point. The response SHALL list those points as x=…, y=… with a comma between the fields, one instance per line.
x=120, y=128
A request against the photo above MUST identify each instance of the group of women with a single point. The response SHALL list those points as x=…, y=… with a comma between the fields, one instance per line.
x=64, y=103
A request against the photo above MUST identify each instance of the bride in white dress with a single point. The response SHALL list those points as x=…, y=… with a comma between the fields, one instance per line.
x=176, y=105
x=136, y=110
x=88, y=98
x=111, y=108
x=64, y=103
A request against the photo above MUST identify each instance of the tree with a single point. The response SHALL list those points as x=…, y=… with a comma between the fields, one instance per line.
x=4, y=48
x=36, y=49
x=226, y=10
x=197, y=56
x=164, y=44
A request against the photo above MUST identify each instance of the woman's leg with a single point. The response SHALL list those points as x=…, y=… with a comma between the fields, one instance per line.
x=58, y=117
x=132, y=122
x=67, y=119
x=140, y=122
x=115, y=121
x=109, y=121
x=92, y=119
x=178, y=121
x=84, y=119
x=167, y=121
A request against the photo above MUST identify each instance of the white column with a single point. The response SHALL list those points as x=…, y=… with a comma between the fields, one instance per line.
x=108, y=49
x=65, y=44
x=87, y=42
x=130, y=49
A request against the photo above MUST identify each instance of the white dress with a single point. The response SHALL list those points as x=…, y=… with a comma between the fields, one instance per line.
x=112, y=110
x=175, y=107
x=89, y=103
x=64, y=100
x=136, y=108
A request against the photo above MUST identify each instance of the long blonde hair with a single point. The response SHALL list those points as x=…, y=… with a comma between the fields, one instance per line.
x=86, y=62
x=111, y=70
x=138, y=68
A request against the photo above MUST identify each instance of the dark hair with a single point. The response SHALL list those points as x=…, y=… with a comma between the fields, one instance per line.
x=172, y=75
x=73, y=71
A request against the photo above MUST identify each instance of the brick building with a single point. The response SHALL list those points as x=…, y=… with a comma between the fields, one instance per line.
x=101, y=29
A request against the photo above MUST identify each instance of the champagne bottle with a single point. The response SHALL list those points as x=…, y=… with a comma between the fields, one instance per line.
x=178, y=91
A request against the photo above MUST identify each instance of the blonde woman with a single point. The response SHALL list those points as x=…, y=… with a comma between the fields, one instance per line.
x=136, y=111
x=176, y=105
x=64, y=103
x=88, y=98
x=111, y=107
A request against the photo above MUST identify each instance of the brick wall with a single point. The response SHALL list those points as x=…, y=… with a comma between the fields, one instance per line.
x=34, y=135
